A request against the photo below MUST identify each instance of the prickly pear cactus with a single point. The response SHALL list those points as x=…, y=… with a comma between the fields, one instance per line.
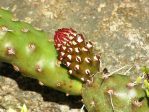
x=76, y=54
x=114, y=94
x=30, y=52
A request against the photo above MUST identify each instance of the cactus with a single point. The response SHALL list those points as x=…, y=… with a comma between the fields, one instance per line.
x=30, y=52
x=116, y=93
x=76, y=54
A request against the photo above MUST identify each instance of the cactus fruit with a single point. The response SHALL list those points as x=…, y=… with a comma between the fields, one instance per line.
x=30, y=52
x=114, y=94
x=76, y=54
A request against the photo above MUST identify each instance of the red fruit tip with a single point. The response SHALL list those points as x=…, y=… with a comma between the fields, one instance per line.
x=62, y=36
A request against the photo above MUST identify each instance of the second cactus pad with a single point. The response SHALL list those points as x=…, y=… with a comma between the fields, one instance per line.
x=114, y=94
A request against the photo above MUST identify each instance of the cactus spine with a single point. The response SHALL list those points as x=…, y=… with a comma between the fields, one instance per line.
x=30, y=52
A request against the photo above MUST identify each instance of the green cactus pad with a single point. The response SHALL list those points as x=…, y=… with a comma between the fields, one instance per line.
x=114, y=94
x=30, y=52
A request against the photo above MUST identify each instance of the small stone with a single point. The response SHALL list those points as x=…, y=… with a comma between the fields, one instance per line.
x=11, y=110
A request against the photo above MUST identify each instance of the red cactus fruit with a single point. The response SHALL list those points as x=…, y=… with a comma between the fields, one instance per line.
x=76, y=54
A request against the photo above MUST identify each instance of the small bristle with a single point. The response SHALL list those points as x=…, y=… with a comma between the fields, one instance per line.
x=87, y=72
x=69, y=57
x=70, y=72
x=97, y=58
x=88, y=60
x=77, y=67
x=68, y=64
x=79, y=38
x=78, y=59
x=25, y=30
x=70, y=50
x=10, y=51
x=77, y=50
x=32, y=47
x=84, y=49
x=89, y=45
x=38, y=68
